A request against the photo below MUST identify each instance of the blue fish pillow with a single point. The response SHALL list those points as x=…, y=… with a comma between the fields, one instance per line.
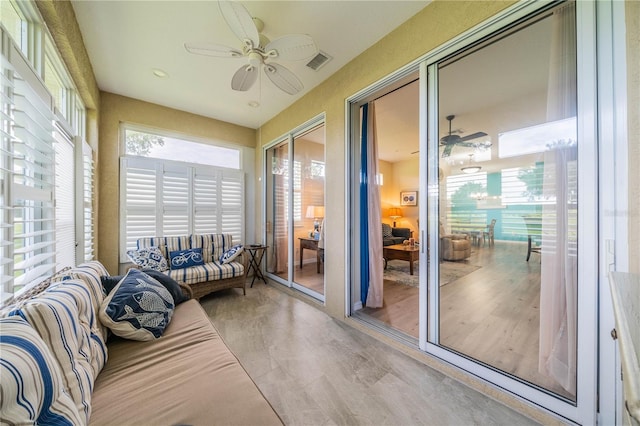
x=138, y=308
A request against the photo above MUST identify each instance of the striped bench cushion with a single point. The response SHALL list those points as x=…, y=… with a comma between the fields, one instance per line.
x=165, y=244
x=32, y=387
x=210, y=271
x=213, y=245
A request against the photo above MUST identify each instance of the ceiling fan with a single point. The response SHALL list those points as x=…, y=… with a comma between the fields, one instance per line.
x=452, y=140
x=258, y=51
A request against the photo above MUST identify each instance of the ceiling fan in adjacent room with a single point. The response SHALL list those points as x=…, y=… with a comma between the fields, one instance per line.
x=451, y=140
x=258, y=51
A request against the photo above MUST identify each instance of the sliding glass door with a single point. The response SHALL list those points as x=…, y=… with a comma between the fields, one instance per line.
x=295, y=210
x=508, y=202
x=506, y=212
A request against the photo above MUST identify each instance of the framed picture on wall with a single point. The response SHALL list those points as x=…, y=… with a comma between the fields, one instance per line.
x=409, y=198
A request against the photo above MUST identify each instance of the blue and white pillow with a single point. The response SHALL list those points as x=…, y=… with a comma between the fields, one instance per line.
x=138, y=308
x=32, y=388
x=181, y=259
x=229, y=255
x=148, y=258
x=54, y=315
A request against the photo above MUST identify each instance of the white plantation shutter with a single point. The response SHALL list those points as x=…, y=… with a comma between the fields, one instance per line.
x=65, y=202
x=86, y=249
x=232, y=206
x=30, y=134
x=138, y=190
x=6, y=162
x=168, y=198
x=176, y=193
x=205, y=201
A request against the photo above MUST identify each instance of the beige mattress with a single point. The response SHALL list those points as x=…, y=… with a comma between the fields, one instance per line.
x=187, y=377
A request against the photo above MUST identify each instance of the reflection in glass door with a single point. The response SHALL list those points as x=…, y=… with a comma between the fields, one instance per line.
x=277, y=189
x=508, y=202
x=295, y=206
x=308, y=209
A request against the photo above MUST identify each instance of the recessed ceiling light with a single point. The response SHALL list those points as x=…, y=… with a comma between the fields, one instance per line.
x=159, y=73
x=254, y=104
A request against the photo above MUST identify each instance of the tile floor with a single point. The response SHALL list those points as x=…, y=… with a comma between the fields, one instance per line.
x=315, y=370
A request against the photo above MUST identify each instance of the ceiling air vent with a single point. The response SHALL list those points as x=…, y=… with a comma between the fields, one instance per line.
x=319, y=60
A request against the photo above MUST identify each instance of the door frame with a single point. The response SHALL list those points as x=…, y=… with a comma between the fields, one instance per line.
x=289, y=138
x=597, y=120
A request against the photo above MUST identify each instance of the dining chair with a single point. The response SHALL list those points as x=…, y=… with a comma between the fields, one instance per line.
x=488, y=233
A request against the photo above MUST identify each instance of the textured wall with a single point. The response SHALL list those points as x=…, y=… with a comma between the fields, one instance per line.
x=431, y=27
x=117, y=109
x=633, y=116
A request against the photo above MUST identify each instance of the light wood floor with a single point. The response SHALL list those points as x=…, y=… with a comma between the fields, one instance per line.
x=308, y=276
x=315, y=370
x=491, y=315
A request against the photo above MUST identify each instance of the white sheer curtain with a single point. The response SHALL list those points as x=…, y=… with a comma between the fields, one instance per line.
x=559, y=276
x=376, y=263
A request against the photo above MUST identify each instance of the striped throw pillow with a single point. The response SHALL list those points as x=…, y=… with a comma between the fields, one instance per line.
x=56, y=319
x=32, y=387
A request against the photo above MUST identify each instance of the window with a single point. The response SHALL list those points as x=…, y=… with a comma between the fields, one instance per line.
x=32, y=184
x=168, y=198
x=87, y=223
x=64, y=201
x=14, y=23
x=463, y=193
x=152, y=145
x=55, y=86
x=38, y=183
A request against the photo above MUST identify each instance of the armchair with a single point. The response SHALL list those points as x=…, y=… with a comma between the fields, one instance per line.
x=454, y=246
x=391, y=236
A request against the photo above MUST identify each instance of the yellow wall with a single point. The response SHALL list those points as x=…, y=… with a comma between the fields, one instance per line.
x=431, y=27
x=117, y=109
x=633, y=128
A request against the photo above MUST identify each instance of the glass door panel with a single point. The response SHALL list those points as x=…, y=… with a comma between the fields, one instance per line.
x=508, y=202
x=308, y=210
x=277, y=210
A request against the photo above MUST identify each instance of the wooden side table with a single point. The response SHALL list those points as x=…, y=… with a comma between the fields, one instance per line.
x=309, y=244
x=256, y=253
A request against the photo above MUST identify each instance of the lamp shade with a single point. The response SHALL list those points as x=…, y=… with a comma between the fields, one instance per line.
x=318, y=211
x=314, y=212
x=309, y=214
x=395, y=212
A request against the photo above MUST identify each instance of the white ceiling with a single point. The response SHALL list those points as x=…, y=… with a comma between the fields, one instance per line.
x=127, y=40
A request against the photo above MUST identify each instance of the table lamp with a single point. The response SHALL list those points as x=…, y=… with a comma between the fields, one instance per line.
x=316, y=213
x=395, y=213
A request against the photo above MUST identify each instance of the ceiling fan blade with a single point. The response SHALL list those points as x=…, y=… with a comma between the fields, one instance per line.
x=212, y=49
x=293, y=47
x=244, y=78
x=473, y=136
x=447, y=150
x=240, y=21
x=450, y=139
x=283, y=78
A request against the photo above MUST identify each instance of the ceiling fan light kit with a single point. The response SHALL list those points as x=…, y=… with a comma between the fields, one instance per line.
x=471, y=168
x=259, y=50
